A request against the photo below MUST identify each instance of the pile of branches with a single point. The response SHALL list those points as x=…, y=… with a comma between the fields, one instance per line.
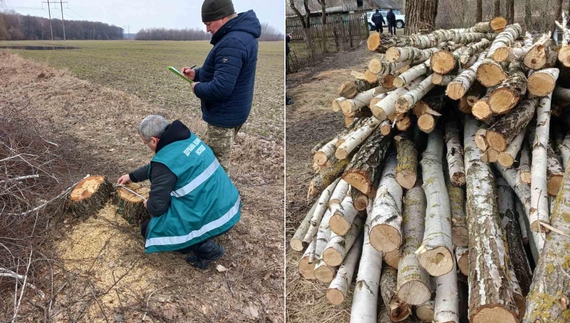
x=34, y=181
x=463, y=190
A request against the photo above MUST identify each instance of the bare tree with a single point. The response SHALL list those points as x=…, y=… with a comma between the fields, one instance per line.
x=323, y=11
x=497, y=8
x=510, y=11
x=420, y=15
x=479, y=12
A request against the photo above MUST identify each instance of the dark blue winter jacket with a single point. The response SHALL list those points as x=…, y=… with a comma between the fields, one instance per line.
x=228, y=74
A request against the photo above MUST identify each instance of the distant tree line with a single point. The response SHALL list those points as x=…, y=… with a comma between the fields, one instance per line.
x=268, y=33
x=14, y=26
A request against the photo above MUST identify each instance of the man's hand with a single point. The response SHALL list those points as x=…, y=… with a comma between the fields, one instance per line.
x=125, y=179
x=193, y=85
x=189, y=72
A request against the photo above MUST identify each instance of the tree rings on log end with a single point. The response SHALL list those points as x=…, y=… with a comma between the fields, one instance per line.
x=501, y=54
x=130, y=206
x=373, y=41
x=385, y=238
x=564, y=56
x=392, y=258
x=437, y=262
x=496, y=314
x=90, y=195
x=490, y=74
x=541, y=84
x=498, y=24
x=414, y=292
x=503, y=100
x=442, y=62
x=324, y=274
x=335, y=296
x=554, y=183
x=455, y=90
x=496, y=140
x=306, y=269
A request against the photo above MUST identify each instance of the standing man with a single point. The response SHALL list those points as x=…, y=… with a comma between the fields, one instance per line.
x=378, y=20
x=225, y=82
x=191, y=197
x=391, y=18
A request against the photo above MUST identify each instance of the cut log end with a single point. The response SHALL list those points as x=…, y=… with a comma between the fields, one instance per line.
x=553, y=184
x=414, y=292
x=437, y=262
x=496, y=140
x=541, y=84
x=385, y=238
x=306, y=269
x=442, y=62
x=324, y=274
x=339, y=225
x=335, y=296
x=455, y=90
x=498, y=24
x=503, y=100
x=373, y=41
x=493, y=314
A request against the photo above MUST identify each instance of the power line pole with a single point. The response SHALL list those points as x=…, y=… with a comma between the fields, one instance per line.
x=49, y=12
x=62, y=19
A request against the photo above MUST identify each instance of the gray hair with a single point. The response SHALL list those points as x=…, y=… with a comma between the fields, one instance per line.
x=153, y=126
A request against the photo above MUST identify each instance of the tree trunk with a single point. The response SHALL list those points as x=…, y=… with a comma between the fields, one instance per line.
x=413, y=281
x=89, y=196
x=548, y=298
x=420, y=15
x=296, y=241
x=488, y=261
x=517, y=255
x=130, y=206
x=502, y=132
x=454, y=154
x=435, y=253
x=398, y=309
x=406, y=170
x=361, y=171
x=386, y=213
x=338, y=289
x=539, y=197
x=365, y=300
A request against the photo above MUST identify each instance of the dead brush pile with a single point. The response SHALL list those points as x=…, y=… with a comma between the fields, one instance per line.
x=36, y=172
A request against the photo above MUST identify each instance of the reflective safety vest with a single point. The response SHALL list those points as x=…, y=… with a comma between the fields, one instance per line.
x=205, y=203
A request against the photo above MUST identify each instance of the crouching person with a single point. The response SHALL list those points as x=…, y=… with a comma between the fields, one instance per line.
x=191, y=198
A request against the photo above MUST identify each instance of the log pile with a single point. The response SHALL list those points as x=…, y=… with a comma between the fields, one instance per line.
x=446, y=173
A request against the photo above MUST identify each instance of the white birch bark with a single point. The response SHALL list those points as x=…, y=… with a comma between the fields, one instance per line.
x=539, y=211
x=338, y=289
x=435, y=253
x=386, y=213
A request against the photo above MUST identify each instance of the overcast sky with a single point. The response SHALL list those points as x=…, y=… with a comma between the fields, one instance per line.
x=140, y=14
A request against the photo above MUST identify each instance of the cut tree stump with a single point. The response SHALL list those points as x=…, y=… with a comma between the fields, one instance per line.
x=89, y=196
x=130, y=206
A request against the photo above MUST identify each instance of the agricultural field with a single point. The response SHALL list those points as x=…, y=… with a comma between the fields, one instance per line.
x=83, y=106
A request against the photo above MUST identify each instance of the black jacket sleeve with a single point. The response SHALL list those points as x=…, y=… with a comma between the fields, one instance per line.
x=163, y=181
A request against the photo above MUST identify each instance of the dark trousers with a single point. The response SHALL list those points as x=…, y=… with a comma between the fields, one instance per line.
x=187, y=250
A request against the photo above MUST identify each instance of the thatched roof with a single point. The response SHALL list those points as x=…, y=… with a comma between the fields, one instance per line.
x=341, y=6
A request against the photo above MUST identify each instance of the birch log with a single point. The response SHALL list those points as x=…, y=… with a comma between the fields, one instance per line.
x=365, y=299
x=386, y=213
x=539, y=212
x=413, y=281
x=435, y=253
x=548, y=299
x=338, y=289
x=490, y=293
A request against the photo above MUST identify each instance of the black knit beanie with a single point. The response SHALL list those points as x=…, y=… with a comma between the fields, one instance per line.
x=216, y=9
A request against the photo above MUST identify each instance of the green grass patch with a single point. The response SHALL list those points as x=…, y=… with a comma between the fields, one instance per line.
x=140, y=68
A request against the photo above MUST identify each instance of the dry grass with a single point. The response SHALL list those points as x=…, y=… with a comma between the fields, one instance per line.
x=102, y=273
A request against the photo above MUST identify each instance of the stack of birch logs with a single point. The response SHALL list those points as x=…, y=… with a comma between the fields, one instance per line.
x=446, y=194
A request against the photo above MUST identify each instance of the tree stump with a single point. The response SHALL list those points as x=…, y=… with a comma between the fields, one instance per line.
x=89, y=196
x=130, y=206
